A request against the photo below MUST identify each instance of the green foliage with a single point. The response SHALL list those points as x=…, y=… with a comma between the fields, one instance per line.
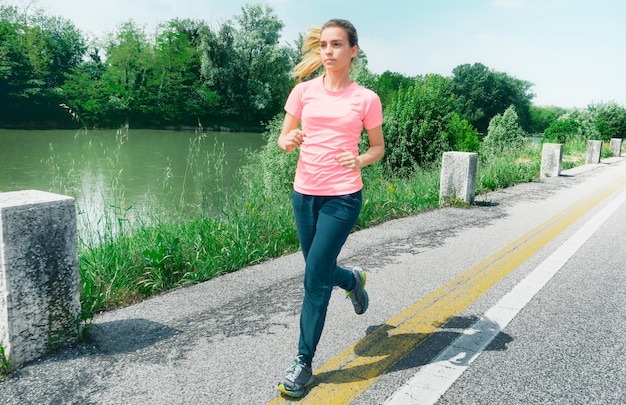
x=562, y=131
x=420, y=124
x=388, y=85
x=505, y=135
x=542, y=117
x=135, y=255
x=461, y=135
x=278, y=168
x=504, y=171
x=6, y=365
x=174, y=87
x=130, y=60
x=185, y=75
x=588, y=123
x=235, y=75
x=36, y=52
x=482, y=93
x=575, y=125
x=260, y=66
x=83, y=90
x=610, y=120
x=386, y=198
x=415, y=124
x=362, y=75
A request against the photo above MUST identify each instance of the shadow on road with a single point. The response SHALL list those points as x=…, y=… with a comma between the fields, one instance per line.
x=399, y=351
x=128, y=335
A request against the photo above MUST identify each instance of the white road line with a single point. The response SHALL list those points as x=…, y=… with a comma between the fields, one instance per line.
x=434, y=379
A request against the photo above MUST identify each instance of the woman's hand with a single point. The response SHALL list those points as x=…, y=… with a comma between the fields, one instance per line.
x=376, y=150
x=347, y=159
x=290, y=136
x=291, y=140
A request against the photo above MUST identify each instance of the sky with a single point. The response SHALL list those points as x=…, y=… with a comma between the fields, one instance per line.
x=572, y=51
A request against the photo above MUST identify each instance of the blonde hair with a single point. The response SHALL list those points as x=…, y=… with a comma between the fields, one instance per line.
x=311, y=58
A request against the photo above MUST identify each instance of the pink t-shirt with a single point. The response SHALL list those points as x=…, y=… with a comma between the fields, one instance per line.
x=331, y=121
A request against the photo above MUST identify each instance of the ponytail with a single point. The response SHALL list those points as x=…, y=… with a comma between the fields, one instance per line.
x=311, y=59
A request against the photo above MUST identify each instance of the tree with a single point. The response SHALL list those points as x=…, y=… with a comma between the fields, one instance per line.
x=64, y=46
x=482, y=93
x=601, y=121
x=542, y=117
x=129, y=59
x=82, y=91
x=245, y=66
x=35, y=54
x=261, y=66
x=216, y=69
x=15, y=67
x=179, y=94
x=389, y=83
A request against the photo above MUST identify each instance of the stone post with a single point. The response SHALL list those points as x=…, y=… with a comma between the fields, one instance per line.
x=594, y=149
x=39, y=278
x=551, y=159
x=458, y=176
x=616, y=146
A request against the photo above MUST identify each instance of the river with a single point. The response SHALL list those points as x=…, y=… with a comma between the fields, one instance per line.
x=132, y=168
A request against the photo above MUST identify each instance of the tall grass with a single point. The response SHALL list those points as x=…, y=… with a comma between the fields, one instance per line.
x=128, y=254
x=391, y=198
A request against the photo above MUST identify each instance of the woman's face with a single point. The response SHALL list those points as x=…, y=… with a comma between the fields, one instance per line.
x=335, y=49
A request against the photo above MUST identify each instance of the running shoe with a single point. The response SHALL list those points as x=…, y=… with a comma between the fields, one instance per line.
x=358, y=296
x=298, y=376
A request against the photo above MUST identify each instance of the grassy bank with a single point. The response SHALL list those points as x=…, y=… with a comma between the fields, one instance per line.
x=128, y=261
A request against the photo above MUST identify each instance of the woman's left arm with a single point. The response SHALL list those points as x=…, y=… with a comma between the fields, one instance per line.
x=376, y=149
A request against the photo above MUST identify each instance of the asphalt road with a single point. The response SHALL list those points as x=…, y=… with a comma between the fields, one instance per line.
x=433, y=279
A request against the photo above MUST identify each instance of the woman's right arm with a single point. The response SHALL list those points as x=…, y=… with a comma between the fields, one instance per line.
x=290, y=136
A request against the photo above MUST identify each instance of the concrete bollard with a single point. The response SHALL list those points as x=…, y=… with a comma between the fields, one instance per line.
x=616, y=146
x=39, y=278
x=551, y=159
x=594, y=150
x=458, y=176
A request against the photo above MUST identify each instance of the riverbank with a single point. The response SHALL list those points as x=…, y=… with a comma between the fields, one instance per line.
x=254, y=225
x=214, y=218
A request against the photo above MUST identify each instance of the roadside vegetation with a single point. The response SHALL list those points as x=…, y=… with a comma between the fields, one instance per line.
x=6, y=365
x=129, y=256
x=237, y=76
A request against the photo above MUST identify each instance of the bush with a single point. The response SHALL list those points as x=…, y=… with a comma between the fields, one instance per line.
x=415, y=124
x=610, y=120
x=587, y=120
x=462, y=136
x=562, y=131
x=505, y=135
x=278, y=167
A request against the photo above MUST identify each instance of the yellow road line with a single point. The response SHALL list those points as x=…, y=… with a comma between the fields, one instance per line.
x=344, y=378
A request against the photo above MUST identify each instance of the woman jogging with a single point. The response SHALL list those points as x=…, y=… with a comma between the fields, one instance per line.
x=332, y=110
